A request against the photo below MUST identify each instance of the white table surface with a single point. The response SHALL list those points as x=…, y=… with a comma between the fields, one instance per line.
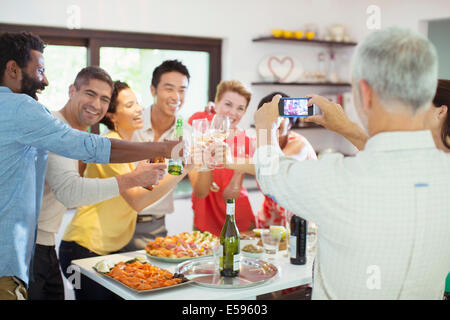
x=288, y=276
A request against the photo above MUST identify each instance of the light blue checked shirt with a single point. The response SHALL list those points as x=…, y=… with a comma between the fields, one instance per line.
x=383, y=216
x=27, y=132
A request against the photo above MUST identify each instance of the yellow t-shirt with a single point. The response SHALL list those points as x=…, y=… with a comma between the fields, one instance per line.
x=106, y=226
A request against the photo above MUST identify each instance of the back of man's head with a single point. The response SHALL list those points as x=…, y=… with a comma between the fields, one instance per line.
x=92, y=72
x=168, y=66
x=399, y=65
x=17, y=47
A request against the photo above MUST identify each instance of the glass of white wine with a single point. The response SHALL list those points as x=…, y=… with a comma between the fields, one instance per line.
x=219, y=131
x=200, y=131
x=219, y=128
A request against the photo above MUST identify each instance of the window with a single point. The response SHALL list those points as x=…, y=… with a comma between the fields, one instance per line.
x=135, y=66
x=202, y=56
x=71, y=59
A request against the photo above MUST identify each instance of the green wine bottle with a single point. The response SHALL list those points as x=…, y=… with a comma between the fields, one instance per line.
x=176, y=165
x=229, y=244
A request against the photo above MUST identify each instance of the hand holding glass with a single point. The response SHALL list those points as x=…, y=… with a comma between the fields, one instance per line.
x=219, y=131
x=201, y=137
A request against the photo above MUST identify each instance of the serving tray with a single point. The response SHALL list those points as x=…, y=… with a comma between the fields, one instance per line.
x=185, y=282
x=204, y=272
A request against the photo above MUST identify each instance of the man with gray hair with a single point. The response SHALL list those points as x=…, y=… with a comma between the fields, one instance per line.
x=383, y=215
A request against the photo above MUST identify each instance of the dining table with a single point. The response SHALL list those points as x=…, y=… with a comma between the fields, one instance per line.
x=287, y=276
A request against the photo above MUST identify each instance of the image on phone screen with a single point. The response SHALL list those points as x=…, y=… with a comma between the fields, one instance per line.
x=295, y=107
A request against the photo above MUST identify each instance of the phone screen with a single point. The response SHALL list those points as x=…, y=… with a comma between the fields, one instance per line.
x=295, y=107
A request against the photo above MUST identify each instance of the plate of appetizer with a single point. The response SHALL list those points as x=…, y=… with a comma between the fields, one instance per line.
x=139, y=275
x=183, y=246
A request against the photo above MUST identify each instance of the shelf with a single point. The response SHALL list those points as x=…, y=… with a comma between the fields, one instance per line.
x=306, y=41
x=329, y=84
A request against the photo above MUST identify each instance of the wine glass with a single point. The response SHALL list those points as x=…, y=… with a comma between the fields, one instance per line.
x=200, y=131
x=219, y=130
x=215, y=248
x=200, y=128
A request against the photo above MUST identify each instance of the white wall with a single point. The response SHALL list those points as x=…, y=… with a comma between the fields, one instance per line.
x=236, y=22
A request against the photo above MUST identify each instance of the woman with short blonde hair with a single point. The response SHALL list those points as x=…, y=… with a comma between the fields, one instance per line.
x=211, y=188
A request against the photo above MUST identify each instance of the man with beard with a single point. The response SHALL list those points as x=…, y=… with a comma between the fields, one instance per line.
x=28, y=131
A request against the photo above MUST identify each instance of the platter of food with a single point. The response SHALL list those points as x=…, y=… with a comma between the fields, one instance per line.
x=181, y=247
x=205, y=272
x=140, y=276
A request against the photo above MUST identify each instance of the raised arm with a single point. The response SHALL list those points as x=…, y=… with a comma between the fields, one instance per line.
x=233, y=189
x=72, y=190
x=201, y=182
x=128, y=151
x=140, y=198
x=40, y=129
x=334, y=119
x=295, y=185
x=243, y=165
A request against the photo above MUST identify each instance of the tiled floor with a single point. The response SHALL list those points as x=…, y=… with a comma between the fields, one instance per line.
x=179, y=221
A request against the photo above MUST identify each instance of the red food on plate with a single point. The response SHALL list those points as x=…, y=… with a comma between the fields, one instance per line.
x=142, y=276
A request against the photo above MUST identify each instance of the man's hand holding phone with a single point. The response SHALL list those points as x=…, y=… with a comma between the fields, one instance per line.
x=266, y=117
x=335, y=119
x=333, y=116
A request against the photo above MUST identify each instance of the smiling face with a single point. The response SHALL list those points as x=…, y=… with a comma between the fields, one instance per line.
x=170, y=93
x=33, y=75
x=90, y=102
x=232, y=105
x=128, y=115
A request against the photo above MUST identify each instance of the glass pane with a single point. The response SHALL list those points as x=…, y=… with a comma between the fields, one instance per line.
x=135, y=66
x=62, y=64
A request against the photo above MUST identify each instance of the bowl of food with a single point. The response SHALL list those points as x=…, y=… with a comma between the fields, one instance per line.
x=245, y=242
x=251, y=251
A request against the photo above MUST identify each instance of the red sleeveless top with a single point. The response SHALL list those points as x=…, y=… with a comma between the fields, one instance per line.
x=210, y=212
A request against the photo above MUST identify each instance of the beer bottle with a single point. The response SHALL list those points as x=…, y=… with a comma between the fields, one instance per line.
x=176, y=165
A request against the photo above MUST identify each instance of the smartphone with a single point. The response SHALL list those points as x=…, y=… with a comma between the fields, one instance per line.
x=295, y=107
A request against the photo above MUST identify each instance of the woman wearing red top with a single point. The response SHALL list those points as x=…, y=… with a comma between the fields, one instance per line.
x=211, y=188
x=292, y=144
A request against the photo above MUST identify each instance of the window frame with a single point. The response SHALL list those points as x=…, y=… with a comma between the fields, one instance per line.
x=93, y=40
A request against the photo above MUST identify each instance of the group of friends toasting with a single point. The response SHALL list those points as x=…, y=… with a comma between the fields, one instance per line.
x=121, y=197
x=121, y=206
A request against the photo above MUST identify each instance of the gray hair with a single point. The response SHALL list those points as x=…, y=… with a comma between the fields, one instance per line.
x=400, y=65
